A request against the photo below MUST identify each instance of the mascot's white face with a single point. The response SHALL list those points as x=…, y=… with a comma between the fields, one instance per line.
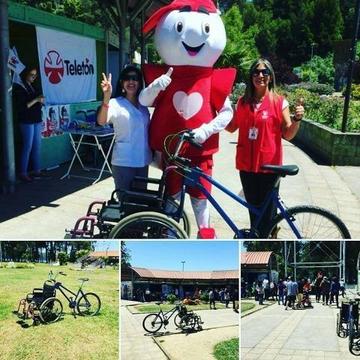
x=190, y=38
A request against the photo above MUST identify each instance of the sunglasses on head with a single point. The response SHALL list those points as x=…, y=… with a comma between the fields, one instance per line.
x=129, y=77
x=264, y=72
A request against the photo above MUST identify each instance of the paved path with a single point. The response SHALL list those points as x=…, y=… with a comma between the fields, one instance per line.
x=45, y=208
x=276, y=334
x=218, y=325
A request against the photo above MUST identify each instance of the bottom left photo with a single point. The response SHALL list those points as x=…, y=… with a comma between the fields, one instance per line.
x=59, y=300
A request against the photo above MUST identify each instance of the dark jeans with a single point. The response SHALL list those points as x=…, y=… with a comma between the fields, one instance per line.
x=256, y=186
x=325, y=298
x=318, y=294
x=212, y=302
x=31, y=137
x=123, y=176
x=336, y=295
x=281, y=299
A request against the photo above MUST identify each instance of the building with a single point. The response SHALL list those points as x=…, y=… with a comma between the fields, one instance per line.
x=151, y=284
x=258, y=265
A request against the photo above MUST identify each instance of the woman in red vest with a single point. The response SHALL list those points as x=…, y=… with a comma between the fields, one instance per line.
x=263, y=119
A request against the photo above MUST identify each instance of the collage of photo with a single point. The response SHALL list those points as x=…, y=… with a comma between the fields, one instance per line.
x=171, y=300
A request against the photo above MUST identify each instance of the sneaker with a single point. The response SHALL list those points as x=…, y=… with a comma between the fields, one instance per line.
x=25, y=178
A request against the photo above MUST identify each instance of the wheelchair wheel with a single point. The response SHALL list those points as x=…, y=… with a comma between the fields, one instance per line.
x=177, y=320
x=339, y=328
x=311, y=221
x=147, y=225
x=152, y=323
x=50, y=310
x=88, y=305
x=354, y=347
x=184, y=220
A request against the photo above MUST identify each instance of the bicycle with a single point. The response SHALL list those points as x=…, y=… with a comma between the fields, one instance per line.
x=86, y=304
x=306, y=222
x=152, y=323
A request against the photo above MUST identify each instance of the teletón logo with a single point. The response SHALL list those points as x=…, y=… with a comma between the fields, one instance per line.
x=55, y=67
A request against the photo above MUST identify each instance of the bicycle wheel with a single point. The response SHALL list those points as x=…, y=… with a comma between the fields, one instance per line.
x=312, y=222
x=50, y=310
x=171, y=207
x=177, y=320
x=88, y=305
x=152, y=323
x=147, y=225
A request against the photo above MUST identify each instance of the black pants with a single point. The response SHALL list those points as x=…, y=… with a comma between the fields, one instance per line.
x=325, y=298
x=256, y=186
x=212, y=302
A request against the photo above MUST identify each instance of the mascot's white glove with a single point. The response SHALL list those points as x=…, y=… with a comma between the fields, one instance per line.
x=149, y=94
x=219, y=123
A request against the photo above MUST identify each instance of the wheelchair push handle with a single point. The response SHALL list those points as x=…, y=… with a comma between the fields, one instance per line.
x=188, y=136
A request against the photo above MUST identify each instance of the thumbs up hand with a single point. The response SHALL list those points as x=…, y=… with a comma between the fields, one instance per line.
x=163, y=81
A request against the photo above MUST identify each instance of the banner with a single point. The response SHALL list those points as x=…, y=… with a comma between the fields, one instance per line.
x=67, y=66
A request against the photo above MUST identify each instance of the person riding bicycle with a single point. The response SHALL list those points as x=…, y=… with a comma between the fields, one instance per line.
x=263, y=118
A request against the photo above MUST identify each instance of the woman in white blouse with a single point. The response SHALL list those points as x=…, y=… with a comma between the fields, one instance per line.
x=131, y=153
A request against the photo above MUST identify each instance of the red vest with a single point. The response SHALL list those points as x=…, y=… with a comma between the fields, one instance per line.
x=266, y=149
x=193, y=98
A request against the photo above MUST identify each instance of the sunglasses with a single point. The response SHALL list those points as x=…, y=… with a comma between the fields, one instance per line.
x=264, y=72
x=130, y=77
x=33, y=75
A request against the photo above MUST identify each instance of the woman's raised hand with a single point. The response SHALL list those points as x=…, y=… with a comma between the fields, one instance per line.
x=106, y=87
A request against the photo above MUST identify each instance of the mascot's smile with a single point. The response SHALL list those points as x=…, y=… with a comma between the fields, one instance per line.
x=193, y=51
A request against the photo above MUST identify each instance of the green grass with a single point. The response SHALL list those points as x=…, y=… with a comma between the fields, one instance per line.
x=227, y=350
x=245, y=306
x=82, y=338
x=149, y=308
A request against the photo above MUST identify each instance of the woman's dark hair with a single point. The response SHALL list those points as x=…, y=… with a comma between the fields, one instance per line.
x=127, y=70
x=26, y=72
x=250, y=89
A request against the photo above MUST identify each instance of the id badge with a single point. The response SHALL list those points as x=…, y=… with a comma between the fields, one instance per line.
x=253, y=133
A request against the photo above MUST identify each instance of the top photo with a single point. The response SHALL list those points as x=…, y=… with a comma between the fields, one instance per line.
x=182, y=119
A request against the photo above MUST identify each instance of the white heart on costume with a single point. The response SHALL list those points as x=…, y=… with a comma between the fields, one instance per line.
x=187, y=105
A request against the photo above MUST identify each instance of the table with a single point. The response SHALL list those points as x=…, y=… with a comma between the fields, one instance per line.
x=99, y=135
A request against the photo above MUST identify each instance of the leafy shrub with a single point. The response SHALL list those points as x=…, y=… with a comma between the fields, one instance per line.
x=238, y=90
x=318, y=69
x=355, y=91
x=12, y=265
x=316, y=88
x=171, y=298
x=63, y=258
x=204, y=297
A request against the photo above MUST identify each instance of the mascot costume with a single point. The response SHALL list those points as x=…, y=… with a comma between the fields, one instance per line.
x=187, y=92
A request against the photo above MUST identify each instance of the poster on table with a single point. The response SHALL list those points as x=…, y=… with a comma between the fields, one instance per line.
x=67, y=66
x=51, y=121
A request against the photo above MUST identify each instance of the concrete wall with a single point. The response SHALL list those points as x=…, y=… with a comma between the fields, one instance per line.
x=333, y=146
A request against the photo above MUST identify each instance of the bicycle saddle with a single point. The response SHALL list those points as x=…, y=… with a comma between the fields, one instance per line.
x=282, y=170
x=83, y=279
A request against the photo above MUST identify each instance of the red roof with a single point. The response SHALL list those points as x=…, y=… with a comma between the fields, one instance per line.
x=109, y=253
x=189, y=275
x=255, y=257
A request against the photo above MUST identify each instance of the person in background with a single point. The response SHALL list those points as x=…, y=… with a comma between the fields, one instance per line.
x=342, y=287
x=131, y=153
x=291, y=291
x=263, y=118
x=260, y=292
x=28, y=103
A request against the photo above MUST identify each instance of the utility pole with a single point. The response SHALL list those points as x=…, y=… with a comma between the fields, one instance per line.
x=7, y=129
x=351, y=67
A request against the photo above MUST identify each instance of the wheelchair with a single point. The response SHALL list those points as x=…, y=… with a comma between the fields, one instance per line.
x=347, y=321
x=41, y=305
x=147, y=196
x=188, y=320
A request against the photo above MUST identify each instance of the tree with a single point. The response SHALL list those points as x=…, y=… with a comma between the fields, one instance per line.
x=240, y=50
x=125, y=255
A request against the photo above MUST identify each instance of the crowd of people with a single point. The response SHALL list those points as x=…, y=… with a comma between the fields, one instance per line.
x=293, y=294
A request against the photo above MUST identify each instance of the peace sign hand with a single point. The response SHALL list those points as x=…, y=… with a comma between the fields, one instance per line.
x=106, y=87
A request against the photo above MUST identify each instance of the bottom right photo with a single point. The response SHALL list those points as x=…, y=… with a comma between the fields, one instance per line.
x=300, y=300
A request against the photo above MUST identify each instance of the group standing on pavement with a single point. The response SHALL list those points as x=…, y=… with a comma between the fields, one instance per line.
x=292, y=294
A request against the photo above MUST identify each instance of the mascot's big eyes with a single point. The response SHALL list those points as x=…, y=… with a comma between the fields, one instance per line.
x=206, y=28
x=179, y=27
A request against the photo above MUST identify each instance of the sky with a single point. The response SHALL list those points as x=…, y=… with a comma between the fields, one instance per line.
x=198, y=255
x=102, y=245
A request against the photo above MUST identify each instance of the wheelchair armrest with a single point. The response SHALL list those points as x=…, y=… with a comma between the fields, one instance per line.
x=91, y=211
x=147, y=180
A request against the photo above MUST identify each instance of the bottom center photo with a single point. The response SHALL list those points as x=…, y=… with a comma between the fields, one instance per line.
x=180, y=300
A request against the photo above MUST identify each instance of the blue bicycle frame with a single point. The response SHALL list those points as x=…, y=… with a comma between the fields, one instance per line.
x=192, y=177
